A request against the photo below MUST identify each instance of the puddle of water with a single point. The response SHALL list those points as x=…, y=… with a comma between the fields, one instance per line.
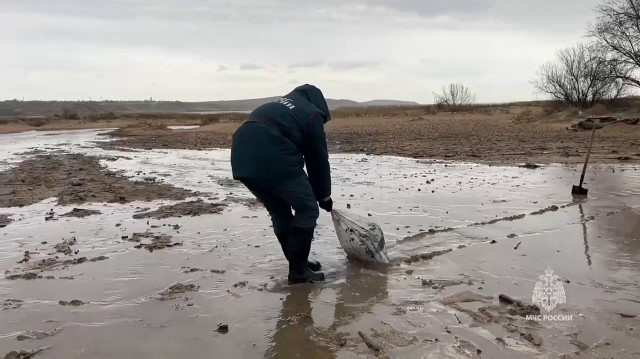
x=18, y=146
x=593, y=243
x=188, y=127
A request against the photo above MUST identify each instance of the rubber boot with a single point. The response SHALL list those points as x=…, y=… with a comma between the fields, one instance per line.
x=284, y=244
x=299, y=247
x=314, y=266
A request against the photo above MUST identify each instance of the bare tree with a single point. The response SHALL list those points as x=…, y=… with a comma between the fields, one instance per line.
x=455, y=94
x=617, y=29
x=580, y=76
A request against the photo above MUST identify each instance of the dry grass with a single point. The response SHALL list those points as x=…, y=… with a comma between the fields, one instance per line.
x=532, y=110
x=36, y=122
x=148, y=124
x=209, y=120
x=527, y=115
x=102, y=116
x=571, y=114
x=598, y=110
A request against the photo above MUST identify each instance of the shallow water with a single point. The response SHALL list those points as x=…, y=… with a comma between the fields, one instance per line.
x=593, y=243
x=187, y=127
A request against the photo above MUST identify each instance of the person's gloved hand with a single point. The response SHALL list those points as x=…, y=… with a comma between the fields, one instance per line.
x=326, y=204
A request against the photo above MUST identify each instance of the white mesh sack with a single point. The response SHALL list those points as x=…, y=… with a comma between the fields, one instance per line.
x=360, y=238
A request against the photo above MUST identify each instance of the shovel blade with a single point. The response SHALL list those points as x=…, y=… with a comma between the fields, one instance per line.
x=579, y=191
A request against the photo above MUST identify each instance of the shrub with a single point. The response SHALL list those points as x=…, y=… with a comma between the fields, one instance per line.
x=68, y=114
x=209, y=120
x=36, y=121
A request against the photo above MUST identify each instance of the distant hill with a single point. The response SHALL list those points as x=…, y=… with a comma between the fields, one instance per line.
x=49, y=108
x=378, y=103
x=335, y=104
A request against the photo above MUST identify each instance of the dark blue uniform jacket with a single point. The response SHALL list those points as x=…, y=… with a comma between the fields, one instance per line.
x=280, y=137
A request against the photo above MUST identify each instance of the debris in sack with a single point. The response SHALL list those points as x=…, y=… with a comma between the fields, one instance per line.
x=360, y=238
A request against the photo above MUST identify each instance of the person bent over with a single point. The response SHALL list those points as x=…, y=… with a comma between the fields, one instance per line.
x=268, y=154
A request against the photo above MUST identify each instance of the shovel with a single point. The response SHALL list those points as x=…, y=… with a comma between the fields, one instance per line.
x=579, y=190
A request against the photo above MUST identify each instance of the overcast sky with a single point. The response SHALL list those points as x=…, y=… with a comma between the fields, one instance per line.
x=201, y=50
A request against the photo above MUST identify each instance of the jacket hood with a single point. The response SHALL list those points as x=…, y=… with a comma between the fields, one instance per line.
x=315, y=96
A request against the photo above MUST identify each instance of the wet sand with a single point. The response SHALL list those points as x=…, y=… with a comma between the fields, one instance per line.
x=73, y=179
x=459, y=234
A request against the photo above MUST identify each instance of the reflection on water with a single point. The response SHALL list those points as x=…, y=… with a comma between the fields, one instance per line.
x=295, y=327
x=364, y=286
x=584, y=234
x=622, y=231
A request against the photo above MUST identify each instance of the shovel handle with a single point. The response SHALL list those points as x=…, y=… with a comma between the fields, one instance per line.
x=586, y=159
